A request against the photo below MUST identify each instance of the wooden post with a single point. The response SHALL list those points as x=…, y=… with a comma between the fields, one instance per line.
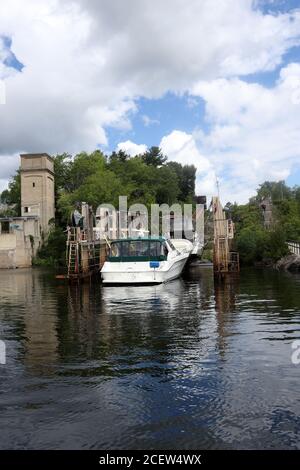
x=224, y=260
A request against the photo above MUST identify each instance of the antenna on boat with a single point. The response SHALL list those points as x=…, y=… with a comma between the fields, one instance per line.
x=107, y=242
x=218, y=186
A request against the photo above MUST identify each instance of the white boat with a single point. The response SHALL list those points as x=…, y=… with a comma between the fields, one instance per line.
x=194, y=247
x=182, y=245
x=151, y=260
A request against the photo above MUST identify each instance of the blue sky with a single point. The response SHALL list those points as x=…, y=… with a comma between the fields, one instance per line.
x=186, y=112
x=217, y=88
x=11, y=60
x=166, y=113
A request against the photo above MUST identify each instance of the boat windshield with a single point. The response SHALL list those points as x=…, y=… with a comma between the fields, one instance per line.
x=138, y=250
x=171, y=245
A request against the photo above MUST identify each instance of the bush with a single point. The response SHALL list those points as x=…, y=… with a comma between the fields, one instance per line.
x=255, y=244
x=52, y=253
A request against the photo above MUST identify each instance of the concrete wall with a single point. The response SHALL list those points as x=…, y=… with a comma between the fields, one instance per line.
x=18, y=247
x=8, y=244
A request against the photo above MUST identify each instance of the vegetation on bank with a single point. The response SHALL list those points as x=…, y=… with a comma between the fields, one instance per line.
x=150, y=178
x=96, y=178
x=254, y=242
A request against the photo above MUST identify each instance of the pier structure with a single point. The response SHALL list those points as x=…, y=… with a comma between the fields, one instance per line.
x=112, y=224
x=224, y=259
x=85, y=252
x=88, y=240
x=294, y=247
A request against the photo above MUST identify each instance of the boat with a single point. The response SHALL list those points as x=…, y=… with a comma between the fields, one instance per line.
x=149, y=260
x=182, y=244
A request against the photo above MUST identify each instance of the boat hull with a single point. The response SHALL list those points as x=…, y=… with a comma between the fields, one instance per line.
x=141, y=273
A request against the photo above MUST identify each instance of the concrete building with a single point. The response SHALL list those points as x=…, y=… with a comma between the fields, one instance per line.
x=21, y=237
x=267, y=211
x=37, y=188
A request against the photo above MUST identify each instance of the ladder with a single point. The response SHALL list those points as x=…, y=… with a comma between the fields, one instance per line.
x=225, y=260
x=73, y=262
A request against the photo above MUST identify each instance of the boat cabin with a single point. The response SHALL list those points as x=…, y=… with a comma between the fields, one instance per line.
x=141, y=249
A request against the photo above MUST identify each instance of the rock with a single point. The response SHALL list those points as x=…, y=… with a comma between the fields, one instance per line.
x=289, y=263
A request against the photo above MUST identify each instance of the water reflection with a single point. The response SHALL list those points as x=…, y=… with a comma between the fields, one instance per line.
x=27, y=318
x=226, y=292
x=188, y=364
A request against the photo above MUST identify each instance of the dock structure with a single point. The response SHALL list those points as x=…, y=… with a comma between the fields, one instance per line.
x=85, y=253
x=224, y=259
x=294, y=247
x=88, y=240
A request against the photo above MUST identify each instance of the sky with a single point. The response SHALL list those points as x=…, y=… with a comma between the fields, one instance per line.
x=213, y=83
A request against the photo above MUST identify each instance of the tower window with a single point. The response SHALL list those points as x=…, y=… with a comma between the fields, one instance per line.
x=26, y=209
x=33, y=184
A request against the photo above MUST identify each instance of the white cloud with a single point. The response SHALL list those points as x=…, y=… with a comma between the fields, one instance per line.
x=181, y=147
x=7, y=170
x=148, y=121
x=131, y=148
x=63, y=98
x=254, y=132
x=86, y=62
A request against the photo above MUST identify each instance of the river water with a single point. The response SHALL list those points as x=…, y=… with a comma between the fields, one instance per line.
x=184, y=365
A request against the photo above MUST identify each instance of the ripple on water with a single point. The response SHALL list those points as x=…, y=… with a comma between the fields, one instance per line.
x=185, y=365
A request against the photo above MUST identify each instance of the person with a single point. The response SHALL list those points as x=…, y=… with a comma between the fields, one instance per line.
x=77, y=219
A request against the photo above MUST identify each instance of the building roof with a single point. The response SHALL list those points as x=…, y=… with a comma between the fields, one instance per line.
x=36, y=155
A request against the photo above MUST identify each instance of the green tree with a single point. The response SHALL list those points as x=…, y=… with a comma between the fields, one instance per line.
x=186, y=175
x=167, y=188
x=62, y=171
x=154, y=156
x=52, y=253
x=277, y=190
x=85, y=165
x=12, y=195
x=254, y=242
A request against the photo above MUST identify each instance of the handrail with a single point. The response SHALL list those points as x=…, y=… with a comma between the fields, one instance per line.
x=294, y=247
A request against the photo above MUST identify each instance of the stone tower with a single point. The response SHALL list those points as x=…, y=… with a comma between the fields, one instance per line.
x=37, y=188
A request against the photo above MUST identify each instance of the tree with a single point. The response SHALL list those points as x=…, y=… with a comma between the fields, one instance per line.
x=119, y=156
x=154, y=156
x=12, y=195
x=277, y=190
x=101, y=187
x=167, y=188
x=186, y=180
x=254, y=242
x=62, y=172
x=96, y=179
x=85, y=165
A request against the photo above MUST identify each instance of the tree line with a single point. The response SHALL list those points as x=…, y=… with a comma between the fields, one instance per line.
x=150, y=178
x=254, y=241
x=97, y=178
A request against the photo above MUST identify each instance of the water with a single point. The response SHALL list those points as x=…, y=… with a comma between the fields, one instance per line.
x=180, y=366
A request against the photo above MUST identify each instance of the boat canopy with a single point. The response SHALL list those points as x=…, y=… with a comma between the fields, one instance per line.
x=138, y=250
